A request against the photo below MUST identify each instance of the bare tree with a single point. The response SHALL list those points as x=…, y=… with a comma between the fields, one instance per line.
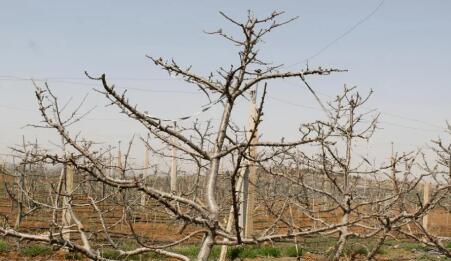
x=341, y=192
x=226, y=85
x=439, y=170
x=303, y=185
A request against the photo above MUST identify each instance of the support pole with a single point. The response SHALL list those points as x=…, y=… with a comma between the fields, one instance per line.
x=110, y=163
x=173, y=174
x=68, y=189
x=119, y=165
x=426, y=193
x=251, y=178
x=145, y=173
x=243, y=193
x=449, y=162
x=20, y=176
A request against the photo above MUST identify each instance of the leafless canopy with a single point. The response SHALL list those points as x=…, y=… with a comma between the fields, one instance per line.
x=327, y=179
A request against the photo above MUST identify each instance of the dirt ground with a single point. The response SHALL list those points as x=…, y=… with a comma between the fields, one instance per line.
x=15, y=256
x=398, y=255
x=401, y=255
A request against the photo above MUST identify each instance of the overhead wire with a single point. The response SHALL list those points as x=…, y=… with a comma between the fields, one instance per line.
x=203, y=108
x=84, y=84
x=207, y=107
x=390, y=114
x=341, y=36
x=84, y=78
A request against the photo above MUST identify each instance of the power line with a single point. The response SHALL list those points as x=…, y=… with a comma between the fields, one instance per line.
x=208, y=106
x=409, y=127
x=14, y=108
x=352, y=28
x=203, y=109
x=390, y=114
x=383, y=122
x=93, y=85
x=84, y=78
x=411, y=119
x=280, y=100
x=293, y=104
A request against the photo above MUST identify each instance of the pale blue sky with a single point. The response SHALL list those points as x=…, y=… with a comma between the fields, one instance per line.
x=402, y=52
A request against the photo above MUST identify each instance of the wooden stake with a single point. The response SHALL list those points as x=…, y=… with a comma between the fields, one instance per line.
x=251, y=178
x=426, y=193
x=20, y=187
x=119, y=163
x=173, y=175
x=145, y=173
x=68, y=189
x=110, y=163
x=243, y=193
x=146, y=161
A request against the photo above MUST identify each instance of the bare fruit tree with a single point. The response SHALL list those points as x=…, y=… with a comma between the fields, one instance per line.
x=339, y=191
x=225, y=85
x=317, y=184
x=439, y=172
